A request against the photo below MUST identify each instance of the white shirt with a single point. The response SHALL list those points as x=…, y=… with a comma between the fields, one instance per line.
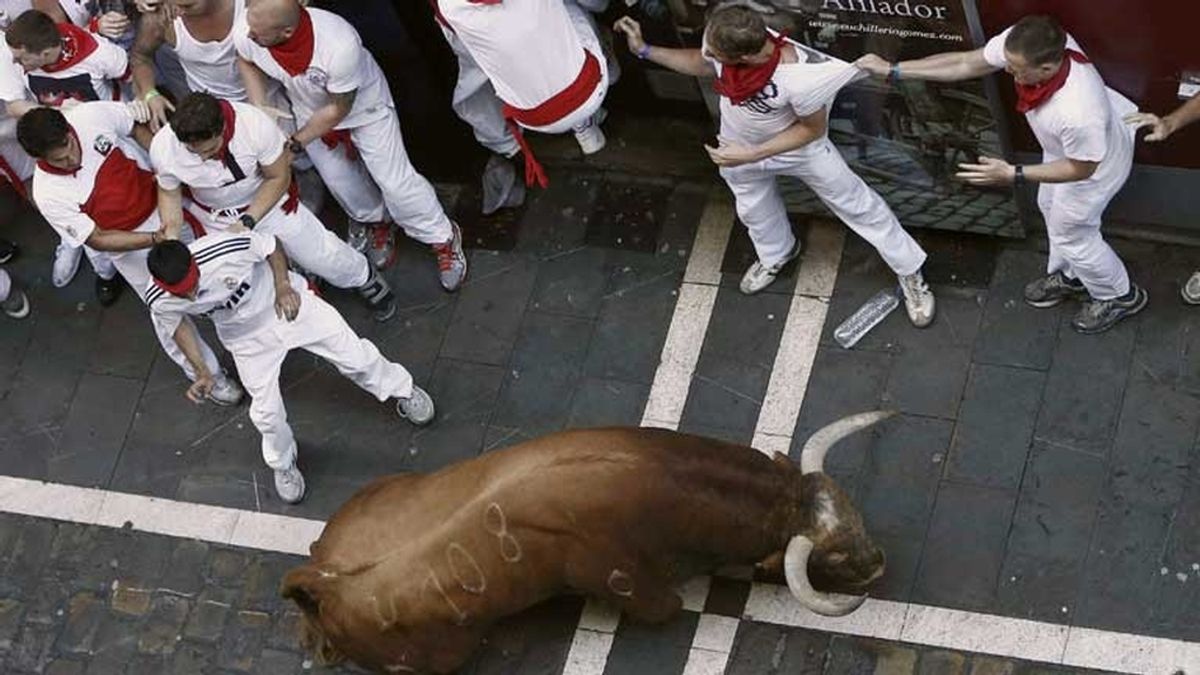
x=236, y=289
x=112, y=189
x=256, y=142
x=11, y=9
x=1079, y=120
x=795, y=90
x=528, y=49
x=339, y=65
x=12, y=88
x=88, y=79
x=211, y=67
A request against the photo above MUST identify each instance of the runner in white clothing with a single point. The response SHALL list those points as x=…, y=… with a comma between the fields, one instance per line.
x=93, y=184
x=340, y=96
x=232, y=160
x=1087, y=154
x=261, y=312
x=775, y=100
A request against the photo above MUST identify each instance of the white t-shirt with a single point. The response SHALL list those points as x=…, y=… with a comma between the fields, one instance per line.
x=87, y=78
x=113, y=189
x=528, y=49
x=211, y=67
x=236, y=288
x=339, y=65
x=256, y=142
x=795, y=90
x=1079, y=120
x=11, y=9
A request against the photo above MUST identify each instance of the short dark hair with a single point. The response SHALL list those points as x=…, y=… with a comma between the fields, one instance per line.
x=41, y=130
x=197, y=118
x=33, y=31
x=735, y=31
x=169, y=261
x=1039, y=39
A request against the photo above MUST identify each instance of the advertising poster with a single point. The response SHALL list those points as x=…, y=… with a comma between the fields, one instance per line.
x=907, y=139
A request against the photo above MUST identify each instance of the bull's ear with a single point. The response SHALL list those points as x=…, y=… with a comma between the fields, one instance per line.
x=300, y=585
x=780, y=458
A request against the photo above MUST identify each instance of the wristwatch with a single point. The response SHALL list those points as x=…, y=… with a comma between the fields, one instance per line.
x=247, y=221
x=294, y=145
x=1018, y=175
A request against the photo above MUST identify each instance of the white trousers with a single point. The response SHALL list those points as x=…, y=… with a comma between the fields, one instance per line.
x=475, y=102
x=582, y=116
x=320, y=330
x=1073, y=212
x=132, y=266
x=348, y=181
x=821, y=167
x=409, y=198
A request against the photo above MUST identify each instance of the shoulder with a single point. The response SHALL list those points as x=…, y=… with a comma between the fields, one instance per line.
x=219, y=245
x=164, y=144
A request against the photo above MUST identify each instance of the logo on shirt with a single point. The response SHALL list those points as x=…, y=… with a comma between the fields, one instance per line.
x=230, y=283
x=760, y=102
x=103, y=145
x=316, y=77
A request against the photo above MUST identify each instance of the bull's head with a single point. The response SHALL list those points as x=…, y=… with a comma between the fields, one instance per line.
x=835, y=549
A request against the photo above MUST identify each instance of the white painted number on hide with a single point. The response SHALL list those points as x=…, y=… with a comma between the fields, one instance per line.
x=620, y=583
x=496, y=524
x=461, y=617
x=458, y=557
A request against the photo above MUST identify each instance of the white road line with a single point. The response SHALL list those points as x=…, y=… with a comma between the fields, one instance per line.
x=815, y=279
x=918, y=625
x=594, y=636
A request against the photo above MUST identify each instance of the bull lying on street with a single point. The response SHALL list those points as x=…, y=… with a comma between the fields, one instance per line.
x=410, y=573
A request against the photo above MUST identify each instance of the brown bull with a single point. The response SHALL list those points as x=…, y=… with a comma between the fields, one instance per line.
x=410, y=573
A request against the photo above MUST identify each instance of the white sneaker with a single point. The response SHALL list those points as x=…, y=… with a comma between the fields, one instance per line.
x=758, y=276
x=226, y=391
x=66, y=264
x=417, y=408
x=289, y=484
x=918, y=299
x=1191, y=290
x=17, y=304
x=590, y=137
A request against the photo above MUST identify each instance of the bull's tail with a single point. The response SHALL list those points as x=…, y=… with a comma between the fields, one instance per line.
x=302, y=585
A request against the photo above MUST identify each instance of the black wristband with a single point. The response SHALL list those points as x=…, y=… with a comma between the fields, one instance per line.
x=1018, y=175
x=294, y=145
x=248, y=221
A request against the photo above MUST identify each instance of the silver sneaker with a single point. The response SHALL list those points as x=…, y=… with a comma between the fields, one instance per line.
x=289, y=484
x=1097, y=316
x=1052, y=289
x=1191, y=290
x=417, y=408
x=66, y=264
x=758, y=276
x=918, y=299
x=590, y=136
x=226, y=391
x=381, y=249
x=451, y=261
x=358, y=236
x=502, y=186
x=17, y=304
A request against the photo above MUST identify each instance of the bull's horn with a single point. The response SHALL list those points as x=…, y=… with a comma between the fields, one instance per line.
x=795, y=569
x=812, y=457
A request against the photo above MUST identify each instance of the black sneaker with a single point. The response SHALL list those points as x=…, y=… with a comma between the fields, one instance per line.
x=8, y=251
x=108, y=290
x=1053, y=289
x=1097, y=316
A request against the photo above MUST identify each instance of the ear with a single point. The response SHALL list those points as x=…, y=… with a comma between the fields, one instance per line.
x=300, y=585
x=782, y=459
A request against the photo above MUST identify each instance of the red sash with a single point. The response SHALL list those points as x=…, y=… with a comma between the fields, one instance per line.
x=550, y=111
x=1030, y=96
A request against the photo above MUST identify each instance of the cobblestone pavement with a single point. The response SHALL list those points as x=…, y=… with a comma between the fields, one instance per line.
x=88, y=600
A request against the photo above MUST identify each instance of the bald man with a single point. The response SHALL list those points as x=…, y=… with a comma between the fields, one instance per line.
x=340, y=97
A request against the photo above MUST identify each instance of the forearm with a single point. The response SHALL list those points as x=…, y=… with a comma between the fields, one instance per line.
x=117, y=241
x=189, y=344
x=948, y=67
x=1061, y=171
x=254, y=81
x=279, y=267
x=1184, y=115
x=17, y=109
x=794, y=137
x=170, y=211
x=268, y=195
x=323, y=121
x=141, y=70
x=686, y=61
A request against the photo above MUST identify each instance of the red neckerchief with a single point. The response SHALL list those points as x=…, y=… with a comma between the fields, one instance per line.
x=49, y=168
x=1030, y=96
x=185, y=285
x=739, y=83
x=295, y=53
x=77, y=45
